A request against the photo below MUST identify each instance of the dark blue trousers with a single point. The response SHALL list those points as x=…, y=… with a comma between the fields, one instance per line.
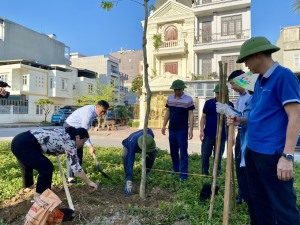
x=179, y=144
x=274, y=200
x=30, y=156
x=128, y=161
x=207, y=148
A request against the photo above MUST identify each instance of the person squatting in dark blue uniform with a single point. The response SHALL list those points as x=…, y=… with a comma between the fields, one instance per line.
x=131, y=145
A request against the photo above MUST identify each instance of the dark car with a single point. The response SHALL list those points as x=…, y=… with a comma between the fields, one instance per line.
x=59, y=117
x=63, y=117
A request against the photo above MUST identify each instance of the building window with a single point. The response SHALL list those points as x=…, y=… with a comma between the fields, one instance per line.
x=56, y=108
x=3, y=77
x=90, y=88
x=297, y=60
x=206, y=67
x=64, y=84
x=231, y=25
x=51, y=83
x=1, y=29
x=231, y=63
x=171, y=67
x=206, y=32
x=39, y=110
x=25, y=80
x=171, y=33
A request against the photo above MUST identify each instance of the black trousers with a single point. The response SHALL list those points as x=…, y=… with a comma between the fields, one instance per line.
x=30, y=156
x=274, y=200
x=237, y=155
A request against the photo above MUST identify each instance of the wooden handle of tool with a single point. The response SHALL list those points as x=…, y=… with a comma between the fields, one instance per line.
x=95, y=158
x=70, y=203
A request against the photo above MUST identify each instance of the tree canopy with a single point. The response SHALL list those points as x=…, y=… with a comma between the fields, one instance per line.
x=46, y=105
x=99, y=92
x=136, y=85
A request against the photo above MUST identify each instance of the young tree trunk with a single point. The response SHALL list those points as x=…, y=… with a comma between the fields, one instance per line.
x=148, y=98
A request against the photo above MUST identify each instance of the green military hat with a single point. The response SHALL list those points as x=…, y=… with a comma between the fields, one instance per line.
x=150, y=144
x=178, y=84
x=217, y=88
x=256, y=45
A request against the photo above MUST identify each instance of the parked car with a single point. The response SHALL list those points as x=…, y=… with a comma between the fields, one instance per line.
x=63, y=117
x=59, y=117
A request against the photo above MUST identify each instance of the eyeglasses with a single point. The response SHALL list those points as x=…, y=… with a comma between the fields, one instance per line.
x=231, y=83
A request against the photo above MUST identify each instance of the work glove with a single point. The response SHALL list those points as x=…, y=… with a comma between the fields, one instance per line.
x=128, y=188
x=223, y=108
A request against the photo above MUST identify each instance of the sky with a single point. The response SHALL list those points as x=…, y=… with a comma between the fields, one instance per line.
x=88, y=29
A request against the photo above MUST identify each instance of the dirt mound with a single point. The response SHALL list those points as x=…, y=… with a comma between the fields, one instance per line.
x=100, y=207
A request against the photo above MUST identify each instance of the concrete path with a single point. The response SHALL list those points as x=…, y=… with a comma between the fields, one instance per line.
x=113, y=138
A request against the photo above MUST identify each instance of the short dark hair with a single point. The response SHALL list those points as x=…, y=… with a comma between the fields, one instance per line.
x=103, y=103
x=72, y=131
x=235, y=73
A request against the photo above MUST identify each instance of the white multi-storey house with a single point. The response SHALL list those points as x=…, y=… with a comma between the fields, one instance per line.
x=107, y=68
x=194, y=37
x=37, y=66
x=29, y=82
x=19, y=42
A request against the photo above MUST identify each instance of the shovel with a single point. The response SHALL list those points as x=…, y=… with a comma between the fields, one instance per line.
x=69, y=213
x=99, y=168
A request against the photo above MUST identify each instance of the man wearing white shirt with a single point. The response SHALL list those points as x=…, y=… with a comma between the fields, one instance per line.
x=83, y=117
x=239, y=106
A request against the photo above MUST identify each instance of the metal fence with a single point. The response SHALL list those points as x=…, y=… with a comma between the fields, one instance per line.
x=13, y=109
x=5, y=109
x=20, y=109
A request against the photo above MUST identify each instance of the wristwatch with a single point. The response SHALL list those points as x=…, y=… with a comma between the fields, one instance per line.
x=289, y=157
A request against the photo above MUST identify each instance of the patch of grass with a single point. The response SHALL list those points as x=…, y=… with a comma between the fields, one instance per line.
x=184, y=205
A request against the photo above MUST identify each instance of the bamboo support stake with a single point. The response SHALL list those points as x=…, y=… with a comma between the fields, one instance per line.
x=222, y=95
x=228, y=176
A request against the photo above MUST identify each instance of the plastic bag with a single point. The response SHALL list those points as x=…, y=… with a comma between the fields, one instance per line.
x=55, y=217
x=41, y=208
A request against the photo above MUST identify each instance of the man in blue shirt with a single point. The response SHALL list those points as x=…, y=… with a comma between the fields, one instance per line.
x=131, y=145
x=83, y=117
x=208, y=132
x=180, y=115
x=273, y=128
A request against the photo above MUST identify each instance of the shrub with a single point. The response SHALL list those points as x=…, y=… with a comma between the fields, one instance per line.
x=129, y=123
x=135, y=123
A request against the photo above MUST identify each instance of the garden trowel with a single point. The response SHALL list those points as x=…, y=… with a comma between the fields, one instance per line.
x=99, y=168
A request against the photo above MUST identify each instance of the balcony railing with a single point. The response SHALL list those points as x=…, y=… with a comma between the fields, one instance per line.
x=172, y=44
x=123, y=76
x=122, y=88
x=219, y=37
x=206, y=2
